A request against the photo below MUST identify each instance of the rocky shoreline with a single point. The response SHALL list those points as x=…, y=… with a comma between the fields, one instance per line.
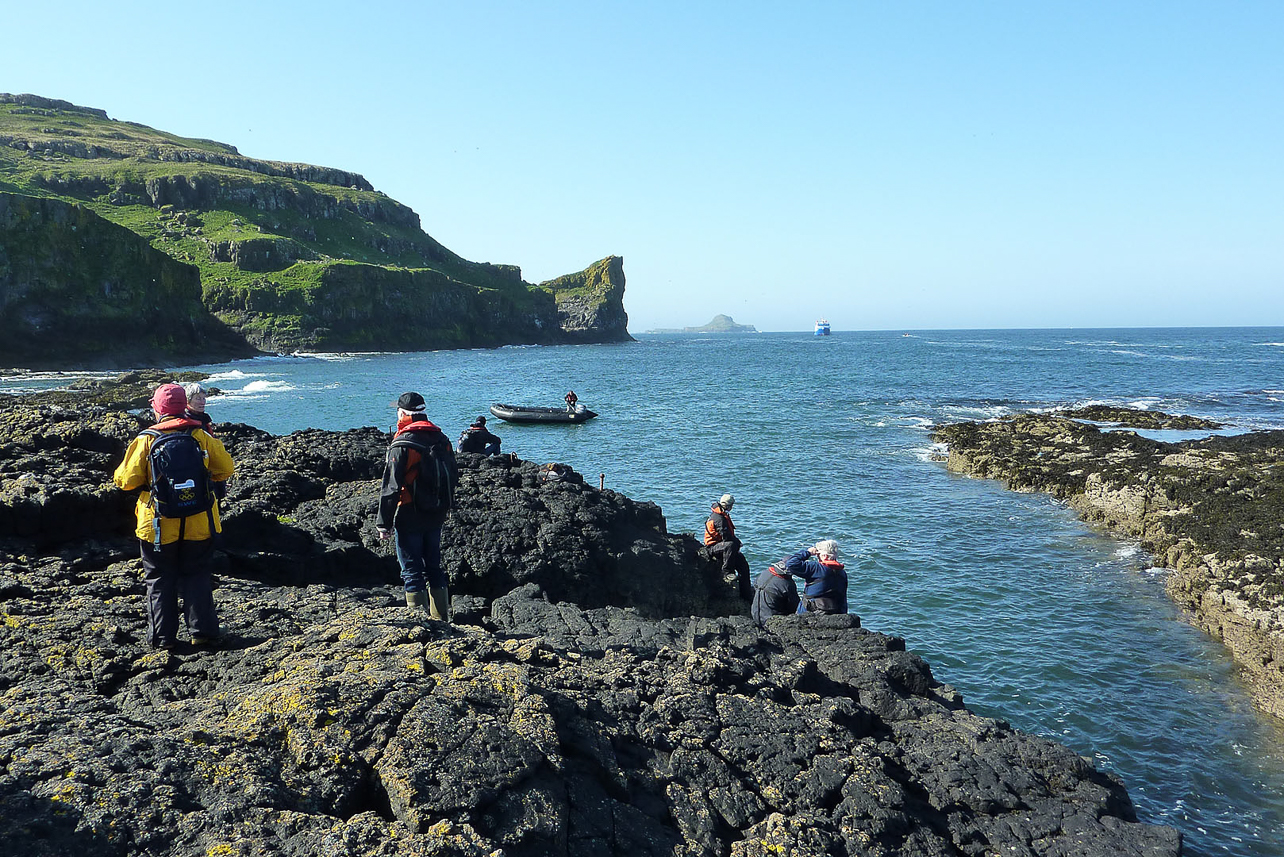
x=601, y=691
x=1210, y=510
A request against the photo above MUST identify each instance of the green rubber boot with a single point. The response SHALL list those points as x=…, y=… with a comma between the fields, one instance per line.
x=439, y=603
x=417, y=601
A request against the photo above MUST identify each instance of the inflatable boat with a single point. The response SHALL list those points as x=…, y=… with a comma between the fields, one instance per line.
x=523, y=414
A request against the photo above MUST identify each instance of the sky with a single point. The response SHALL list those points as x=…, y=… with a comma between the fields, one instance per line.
x=887, y=166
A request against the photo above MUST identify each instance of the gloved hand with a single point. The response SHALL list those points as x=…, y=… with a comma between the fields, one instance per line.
x=383, y=534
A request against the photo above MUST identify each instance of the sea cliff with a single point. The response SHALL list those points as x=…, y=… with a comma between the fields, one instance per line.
x=601, y=691
x=1211, y=511
x=189, y=251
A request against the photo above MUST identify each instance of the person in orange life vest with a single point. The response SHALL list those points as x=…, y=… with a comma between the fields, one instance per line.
x=416, y=516
x=774, y=594
x=177, y=553
x=571, y=399
x=826, y=581
x=720, y=539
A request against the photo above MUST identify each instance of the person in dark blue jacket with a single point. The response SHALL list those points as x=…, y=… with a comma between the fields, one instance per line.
x=478, y=438
x=774, y=594
x=826, y=581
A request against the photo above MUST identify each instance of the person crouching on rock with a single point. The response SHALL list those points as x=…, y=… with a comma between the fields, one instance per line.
x=774, y=594
x=720, y=539
x=478, y=438
x=826, y=581
x=176, y=464
x=418, y=491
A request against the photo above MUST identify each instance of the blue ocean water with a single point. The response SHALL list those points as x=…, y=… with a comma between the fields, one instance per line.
x=1036, y=619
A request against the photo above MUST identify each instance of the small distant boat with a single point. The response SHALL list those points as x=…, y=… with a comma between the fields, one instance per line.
x=822, y=328
x=523, y=414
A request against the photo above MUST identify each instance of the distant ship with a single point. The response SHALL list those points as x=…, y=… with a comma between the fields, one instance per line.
x=822, y=328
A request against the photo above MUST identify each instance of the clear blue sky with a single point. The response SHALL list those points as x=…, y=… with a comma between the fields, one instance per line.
x=888, y=166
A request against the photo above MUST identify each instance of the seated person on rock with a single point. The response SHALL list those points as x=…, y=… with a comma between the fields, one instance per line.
x=724, y=547
x=478, y=438
x=825, y=589
x=775, y=594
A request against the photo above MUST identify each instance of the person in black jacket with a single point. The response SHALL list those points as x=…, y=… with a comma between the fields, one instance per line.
x=418, y=491
x=478, y=438
x=775, y=594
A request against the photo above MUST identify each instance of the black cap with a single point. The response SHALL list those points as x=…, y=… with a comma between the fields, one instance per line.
x=481, y=421
x=411, y=402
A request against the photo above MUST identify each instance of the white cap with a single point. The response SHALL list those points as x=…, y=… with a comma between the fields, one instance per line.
x=726, y=501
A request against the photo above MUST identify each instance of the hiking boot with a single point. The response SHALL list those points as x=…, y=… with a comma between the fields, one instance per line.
x=199, y=640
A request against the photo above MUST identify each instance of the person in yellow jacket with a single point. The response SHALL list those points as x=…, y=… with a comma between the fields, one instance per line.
x=177, y=558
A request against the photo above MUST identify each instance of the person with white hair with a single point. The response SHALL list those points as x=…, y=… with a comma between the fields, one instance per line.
x=196, y=405
x=825, y=589
x=723, y=546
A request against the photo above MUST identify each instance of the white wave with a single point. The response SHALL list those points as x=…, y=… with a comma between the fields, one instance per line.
x=231, y=375
x=930, y=454
x=1128, y=551
x=1144, y=404
x=1128, y=353
x=918, y=422
x=339, y=355
x=990, y=413
x=267, y=387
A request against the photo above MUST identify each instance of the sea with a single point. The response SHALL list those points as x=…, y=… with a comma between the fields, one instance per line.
x=1034, y=617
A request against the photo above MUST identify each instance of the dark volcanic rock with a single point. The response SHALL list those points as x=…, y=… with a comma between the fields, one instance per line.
x=1211, y=510
x=331, y=720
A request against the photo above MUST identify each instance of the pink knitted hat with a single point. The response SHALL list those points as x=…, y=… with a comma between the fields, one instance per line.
x=169, y=400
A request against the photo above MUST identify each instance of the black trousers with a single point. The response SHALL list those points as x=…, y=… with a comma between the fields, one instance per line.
x=179, y=570
x=734, y=562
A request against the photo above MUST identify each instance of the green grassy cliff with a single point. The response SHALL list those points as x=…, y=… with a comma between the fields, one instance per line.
x=147, y=232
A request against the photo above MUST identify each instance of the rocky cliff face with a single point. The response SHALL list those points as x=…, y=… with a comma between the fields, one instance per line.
x=1210, y=510
x=590, y=304
x=601, y=691
x=290, y=256
x=76, y=289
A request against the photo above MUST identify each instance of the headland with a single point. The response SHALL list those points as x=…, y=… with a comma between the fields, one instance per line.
x=129, y=246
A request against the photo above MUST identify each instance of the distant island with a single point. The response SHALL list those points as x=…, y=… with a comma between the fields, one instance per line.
x=720, y=324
